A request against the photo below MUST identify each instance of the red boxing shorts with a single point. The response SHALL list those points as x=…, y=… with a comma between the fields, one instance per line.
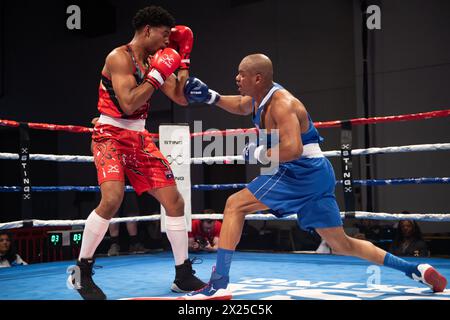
x=119, y=152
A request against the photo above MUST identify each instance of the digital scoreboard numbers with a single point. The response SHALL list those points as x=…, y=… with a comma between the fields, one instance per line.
x=65, y=238
x=75, y=238
x=55, y=239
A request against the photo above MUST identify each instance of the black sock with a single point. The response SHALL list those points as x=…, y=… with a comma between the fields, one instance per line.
x=134, y=239
x=114, y=240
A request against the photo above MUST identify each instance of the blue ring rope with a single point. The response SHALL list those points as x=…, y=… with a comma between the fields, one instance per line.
x=209, y=187
x=372, y=182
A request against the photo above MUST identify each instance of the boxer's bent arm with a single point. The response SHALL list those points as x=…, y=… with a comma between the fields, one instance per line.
x=283, y=114
x=130, y=96
x=174, y=85
x=241, y=105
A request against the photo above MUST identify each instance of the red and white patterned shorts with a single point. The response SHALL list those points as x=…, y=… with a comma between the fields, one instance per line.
x=119, y=152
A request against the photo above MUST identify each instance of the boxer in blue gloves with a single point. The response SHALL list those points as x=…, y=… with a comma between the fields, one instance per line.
x=303, y=184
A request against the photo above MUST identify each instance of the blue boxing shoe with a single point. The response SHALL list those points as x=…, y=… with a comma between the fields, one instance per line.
x=429, y=276
x=216, y=289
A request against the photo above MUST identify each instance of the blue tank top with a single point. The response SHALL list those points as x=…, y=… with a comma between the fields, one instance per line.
x=310, y=136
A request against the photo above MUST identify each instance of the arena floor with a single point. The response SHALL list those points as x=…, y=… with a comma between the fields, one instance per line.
x=254, y=276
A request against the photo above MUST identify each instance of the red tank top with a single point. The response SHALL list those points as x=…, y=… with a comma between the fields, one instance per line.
x=107, y=100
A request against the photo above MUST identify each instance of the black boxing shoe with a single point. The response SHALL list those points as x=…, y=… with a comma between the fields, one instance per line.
x=80, y=279
x=185, y=280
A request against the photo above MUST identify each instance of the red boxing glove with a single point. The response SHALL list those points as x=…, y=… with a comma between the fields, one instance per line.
x=163, y=64
x=182, y=39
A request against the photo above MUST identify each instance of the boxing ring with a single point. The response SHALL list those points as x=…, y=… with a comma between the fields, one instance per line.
x=279, y=276
x=254, y=275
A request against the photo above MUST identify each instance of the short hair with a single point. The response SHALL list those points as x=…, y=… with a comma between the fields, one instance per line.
x=154, y=16
x=4, y=232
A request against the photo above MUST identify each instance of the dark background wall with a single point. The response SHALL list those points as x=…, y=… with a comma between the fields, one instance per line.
x=51, y=74
x=409, y=73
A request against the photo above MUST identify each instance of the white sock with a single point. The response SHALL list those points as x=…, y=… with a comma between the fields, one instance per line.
x=94, y=231
x=177, y=235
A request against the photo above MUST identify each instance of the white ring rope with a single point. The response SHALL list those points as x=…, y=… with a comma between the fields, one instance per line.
x=48, y=157
x=376, y=150
x=220, y=159
x=334, y=153
x=433, y=217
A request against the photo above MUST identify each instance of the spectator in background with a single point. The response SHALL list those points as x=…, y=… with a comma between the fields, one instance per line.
x=205, y=234
x=369, y=230
x=8, y=255
x=409, y=241
x=135, y=246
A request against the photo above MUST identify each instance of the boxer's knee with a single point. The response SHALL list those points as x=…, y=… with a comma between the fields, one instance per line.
x=110, y=203
x=175, y=207
x=234, y=207
x=108, y=208
x=231, y=204
x=178, y=205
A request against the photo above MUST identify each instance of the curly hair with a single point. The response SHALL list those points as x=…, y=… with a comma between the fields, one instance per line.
x=154, y=16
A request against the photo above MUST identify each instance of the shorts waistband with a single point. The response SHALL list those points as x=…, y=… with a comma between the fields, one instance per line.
x=312, y=150
x=128, y=124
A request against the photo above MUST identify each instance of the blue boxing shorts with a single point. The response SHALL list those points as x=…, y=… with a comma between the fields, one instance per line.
x=304, y=187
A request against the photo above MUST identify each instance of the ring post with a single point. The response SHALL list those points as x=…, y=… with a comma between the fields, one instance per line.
x=347, y=166
x=175, y=145
x=24, y=161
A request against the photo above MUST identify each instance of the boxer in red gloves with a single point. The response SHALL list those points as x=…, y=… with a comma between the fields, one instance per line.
x=122, y=146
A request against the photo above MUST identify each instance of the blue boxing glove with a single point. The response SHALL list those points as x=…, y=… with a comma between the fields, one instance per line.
x=196, y=90
x=253, y=153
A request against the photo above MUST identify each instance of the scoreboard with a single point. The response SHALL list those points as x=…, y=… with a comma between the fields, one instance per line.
x=65, y=238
